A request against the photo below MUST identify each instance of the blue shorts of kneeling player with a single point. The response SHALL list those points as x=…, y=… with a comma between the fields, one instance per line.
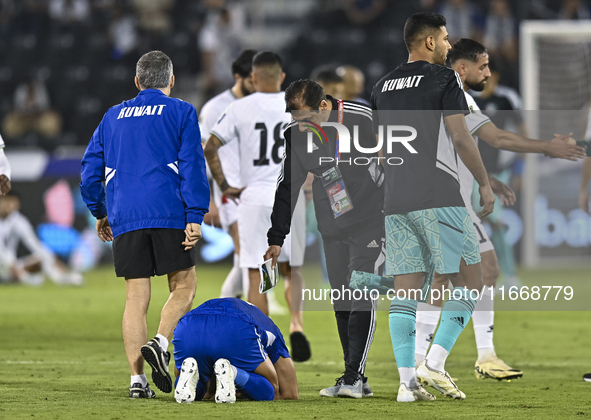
x=232, y=329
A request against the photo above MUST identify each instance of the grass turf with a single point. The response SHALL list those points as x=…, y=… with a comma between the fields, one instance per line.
x=62, y=356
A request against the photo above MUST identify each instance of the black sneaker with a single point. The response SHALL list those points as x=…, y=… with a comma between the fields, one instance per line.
x=300, y=347
x=139, y=391
x=158, y=359
x=587, y=377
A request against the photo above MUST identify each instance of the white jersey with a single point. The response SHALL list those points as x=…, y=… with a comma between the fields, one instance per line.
x=210, y=113
x=16, y=229
x=474, y=121
x=4, y=164
x=257, y=123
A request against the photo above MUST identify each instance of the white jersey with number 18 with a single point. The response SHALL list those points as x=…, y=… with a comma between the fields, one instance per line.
x=257, y=122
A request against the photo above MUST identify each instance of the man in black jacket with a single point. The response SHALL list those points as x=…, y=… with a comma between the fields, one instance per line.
x=348, y=199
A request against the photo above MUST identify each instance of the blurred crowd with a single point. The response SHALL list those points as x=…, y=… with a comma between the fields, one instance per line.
x=203, y=36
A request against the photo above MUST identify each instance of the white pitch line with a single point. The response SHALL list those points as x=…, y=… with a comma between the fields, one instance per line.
x=56, y=362
x=40, y=362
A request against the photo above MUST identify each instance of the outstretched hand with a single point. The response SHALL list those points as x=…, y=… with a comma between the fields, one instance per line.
x=563, y=146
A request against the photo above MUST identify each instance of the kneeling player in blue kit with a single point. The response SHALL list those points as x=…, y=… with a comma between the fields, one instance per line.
x=239, y=345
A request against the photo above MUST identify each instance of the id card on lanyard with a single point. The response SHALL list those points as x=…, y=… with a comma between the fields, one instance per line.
x=333, y=182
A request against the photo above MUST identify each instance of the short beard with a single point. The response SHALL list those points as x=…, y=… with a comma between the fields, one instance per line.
x=439, y=58
x=476, y=87
x=245, y=92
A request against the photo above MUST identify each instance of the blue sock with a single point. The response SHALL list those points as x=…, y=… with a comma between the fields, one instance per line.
x=256, y=387
x=403, y=317
x=242, y=377
x=455, y=315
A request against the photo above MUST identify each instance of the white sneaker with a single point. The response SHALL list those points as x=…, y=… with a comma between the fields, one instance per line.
x=352, y=391
x=332, y=391
x=187, y=383
x=225, y=391
x=406, y=394
x=441, y=381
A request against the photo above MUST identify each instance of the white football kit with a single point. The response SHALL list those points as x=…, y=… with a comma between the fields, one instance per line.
x=229, y=158
x=4, y=165
x=16, y=229
x=474, y=121
x=256, y=123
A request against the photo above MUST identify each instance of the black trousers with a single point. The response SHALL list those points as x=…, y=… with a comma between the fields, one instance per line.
x=362, y=250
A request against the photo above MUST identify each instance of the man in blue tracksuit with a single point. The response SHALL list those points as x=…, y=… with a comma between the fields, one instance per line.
x=143, y=178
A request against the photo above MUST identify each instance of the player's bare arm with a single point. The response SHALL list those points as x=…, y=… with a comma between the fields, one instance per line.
x=288, y=382
x=584, y=188
x=215, y=166
x=558, y=147
x=466, y=147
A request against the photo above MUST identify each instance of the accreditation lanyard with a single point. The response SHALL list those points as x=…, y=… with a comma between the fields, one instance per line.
x=341, y=106
x=333, y=182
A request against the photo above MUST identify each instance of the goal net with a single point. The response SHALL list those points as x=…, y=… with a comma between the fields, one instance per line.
x=556, y=87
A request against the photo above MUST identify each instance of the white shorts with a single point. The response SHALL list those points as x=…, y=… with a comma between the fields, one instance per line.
x=253, y=224
x=227, y=208
x=485, y=244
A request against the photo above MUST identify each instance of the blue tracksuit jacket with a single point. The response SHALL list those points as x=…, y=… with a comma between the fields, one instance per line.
x=144, y=166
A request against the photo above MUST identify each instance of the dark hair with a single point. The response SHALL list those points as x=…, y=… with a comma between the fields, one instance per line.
x=243, y=63
x=418, y=24
x=303, y=92
x=466, y=49
x=326, y=75
x=154, y=70
x=266, y=58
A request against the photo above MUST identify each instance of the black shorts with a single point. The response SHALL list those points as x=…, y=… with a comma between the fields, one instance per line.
x=151, y=252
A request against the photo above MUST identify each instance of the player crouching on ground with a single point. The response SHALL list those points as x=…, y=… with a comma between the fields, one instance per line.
x=239, y=345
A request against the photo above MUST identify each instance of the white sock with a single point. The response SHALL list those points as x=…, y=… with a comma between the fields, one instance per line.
x=139, y=379
x=427, y=320
x=163, y=341
x=233, y=283
x=483, y=319
x=436, y=357
x=408, y=377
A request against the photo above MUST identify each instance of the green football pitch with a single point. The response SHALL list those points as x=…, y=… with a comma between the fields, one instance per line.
x=62, y=356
